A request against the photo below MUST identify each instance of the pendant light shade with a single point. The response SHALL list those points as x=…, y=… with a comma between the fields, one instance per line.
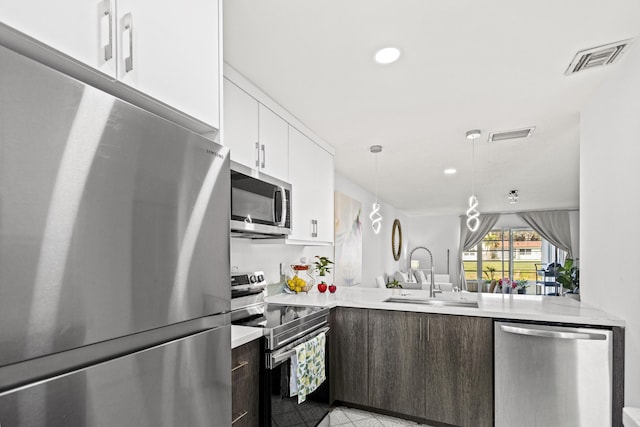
x=374, y=216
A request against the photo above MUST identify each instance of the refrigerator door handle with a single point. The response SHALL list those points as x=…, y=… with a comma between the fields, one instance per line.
x=517, y=330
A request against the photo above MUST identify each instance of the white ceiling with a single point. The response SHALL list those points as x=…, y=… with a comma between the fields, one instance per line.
x=492, y=65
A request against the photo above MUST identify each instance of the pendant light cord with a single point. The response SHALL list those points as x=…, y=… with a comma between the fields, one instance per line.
x=473, y=166
x=376, y=156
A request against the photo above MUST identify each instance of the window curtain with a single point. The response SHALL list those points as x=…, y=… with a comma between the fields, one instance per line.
x=469, y=239
x=553, y=226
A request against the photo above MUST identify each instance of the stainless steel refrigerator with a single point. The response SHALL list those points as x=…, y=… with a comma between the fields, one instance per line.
x=114, y=260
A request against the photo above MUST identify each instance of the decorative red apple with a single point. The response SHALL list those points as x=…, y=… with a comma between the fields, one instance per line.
x=332, y=288
x=322, y=287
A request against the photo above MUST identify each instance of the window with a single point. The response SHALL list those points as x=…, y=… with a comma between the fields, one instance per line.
x=509, y=252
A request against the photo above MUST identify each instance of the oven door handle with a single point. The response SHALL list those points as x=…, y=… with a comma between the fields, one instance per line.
x=278, y=357
x=298, y=335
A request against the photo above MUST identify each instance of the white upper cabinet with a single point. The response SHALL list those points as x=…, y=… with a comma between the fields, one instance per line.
x=274, y=144
x=312, y=179
x=84, y=30
x=241, y=125
x=258, y=137
x=168, y=51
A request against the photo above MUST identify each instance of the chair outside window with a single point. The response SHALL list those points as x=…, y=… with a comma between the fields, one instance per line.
x=546, y=275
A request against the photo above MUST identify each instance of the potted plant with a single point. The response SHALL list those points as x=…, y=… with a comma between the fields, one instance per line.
x=393, y=284
x=322, y=266
x=568, y=276
x=490, y=281
x=523, y=284
x=506, y=285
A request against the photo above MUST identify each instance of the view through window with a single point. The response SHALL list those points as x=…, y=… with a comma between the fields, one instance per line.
x=513, y=253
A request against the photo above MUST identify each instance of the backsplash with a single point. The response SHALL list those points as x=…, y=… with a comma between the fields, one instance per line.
x=249, y=255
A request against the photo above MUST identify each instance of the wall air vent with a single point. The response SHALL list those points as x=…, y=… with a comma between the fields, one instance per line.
x=597, y=56
x=511, y=134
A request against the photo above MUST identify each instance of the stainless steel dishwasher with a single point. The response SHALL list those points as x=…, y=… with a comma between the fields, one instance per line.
x=552, y=376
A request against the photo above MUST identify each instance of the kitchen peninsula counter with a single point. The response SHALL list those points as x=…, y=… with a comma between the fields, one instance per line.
x=499, y=306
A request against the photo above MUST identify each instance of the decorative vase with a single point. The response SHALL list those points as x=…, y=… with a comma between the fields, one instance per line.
x=522, y=291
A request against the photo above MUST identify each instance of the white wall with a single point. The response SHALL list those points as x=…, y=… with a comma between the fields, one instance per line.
x=377, y=258
x=609, y=206
x=249, y=255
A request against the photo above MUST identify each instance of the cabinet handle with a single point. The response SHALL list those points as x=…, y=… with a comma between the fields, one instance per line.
x=421, y=329
x=264, y=157
x=257, y=154
x=127, y=21
x=108, y=48
x=239, y=417
x=240, y=365
x=428, y=329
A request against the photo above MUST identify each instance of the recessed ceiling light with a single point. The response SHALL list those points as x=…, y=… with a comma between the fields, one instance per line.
x=387, y=55
x=450, y=171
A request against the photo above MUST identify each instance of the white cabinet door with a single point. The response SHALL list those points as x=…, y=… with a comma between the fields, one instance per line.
x=84, y=30
x=240, y=131
x=311, y=176
x=274, y=144
x=173, y=54
x=324, y=191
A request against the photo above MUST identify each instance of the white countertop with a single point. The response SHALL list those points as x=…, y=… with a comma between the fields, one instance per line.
x=631, y=417
x=504, y=306
x=243, y=334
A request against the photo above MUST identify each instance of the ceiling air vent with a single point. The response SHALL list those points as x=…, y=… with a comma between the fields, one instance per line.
x=511, y=134
x=597, y=56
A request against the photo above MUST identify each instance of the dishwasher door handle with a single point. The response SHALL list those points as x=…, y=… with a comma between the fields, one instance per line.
x=553, y=333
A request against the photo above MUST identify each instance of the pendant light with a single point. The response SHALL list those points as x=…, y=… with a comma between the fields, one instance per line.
x=374, y=216
x=473, y=222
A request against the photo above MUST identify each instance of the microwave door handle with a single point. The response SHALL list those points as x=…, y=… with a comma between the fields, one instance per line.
x=283, y=207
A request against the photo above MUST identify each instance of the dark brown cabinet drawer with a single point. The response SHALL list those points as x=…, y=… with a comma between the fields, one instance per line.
x=245, y=374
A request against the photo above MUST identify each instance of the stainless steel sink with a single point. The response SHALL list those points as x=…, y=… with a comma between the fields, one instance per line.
x=433, y=302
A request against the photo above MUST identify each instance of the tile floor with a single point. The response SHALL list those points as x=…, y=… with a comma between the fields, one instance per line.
x=349, y=417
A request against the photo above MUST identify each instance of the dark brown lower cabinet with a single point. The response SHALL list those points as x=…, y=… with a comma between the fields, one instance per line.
x=245, y=375
x=396, y=362
x=434, y=367
x=459, y=370
x=349, y=346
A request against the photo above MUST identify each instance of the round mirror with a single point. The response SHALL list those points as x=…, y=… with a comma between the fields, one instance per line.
x=396, y=239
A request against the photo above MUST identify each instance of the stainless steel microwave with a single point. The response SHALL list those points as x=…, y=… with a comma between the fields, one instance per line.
x=260, y=204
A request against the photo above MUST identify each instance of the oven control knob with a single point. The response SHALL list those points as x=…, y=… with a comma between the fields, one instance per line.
x=260, y=278
x=252, y=278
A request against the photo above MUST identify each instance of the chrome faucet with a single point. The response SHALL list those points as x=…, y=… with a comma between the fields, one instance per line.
x=432, y=291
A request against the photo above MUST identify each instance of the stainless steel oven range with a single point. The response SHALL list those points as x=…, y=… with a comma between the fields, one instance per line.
x=247, y=297
x=287, y=326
